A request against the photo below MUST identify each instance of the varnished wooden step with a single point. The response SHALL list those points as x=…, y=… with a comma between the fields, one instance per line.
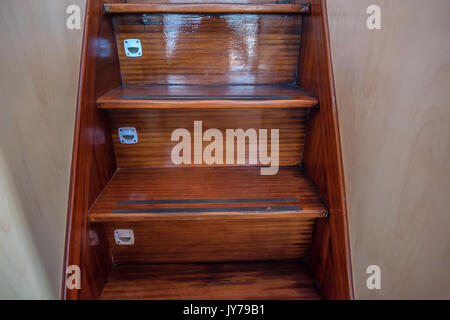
x=121, y=8
x=247, y=281
x=204, y=96
x=206, y=193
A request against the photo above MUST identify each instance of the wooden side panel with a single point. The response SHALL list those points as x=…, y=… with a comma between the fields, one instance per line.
x=210, y=49
x=191, y=241
x=93, y=161
x=232, y=281
x=322, y=159
x=155, y=129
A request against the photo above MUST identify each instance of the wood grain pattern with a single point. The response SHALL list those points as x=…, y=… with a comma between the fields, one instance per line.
x=93, y=161
x=206, y=97
x=155, y=127
x=204, y=183
x=210, y=49
x=323, y=161
x=263, y=281
x=247, y=238
x=395, y=128
x=38, y=93
x=205, y=8
x=208, y=237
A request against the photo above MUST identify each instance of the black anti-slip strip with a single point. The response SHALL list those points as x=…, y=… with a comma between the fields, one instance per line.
x=205, y=98
x=200, y=210
x=178, y=201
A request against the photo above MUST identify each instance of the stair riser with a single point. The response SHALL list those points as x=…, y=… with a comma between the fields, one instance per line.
x=194, y=241
x=155, y=128
x=210, y=48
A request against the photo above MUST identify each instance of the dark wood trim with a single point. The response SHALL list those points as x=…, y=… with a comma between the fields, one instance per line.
x=323, y=160
x=206, y=97
x=206, y=8
x=93, y=159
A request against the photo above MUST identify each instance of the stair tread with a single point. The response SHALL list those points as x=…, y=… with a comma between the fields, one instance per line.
x=206, y=193
x=123, y=8
x=206, y=96
x=260, y=280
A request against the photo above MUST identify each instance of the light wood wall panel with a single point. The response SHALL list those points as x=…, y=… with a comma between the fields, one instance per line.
x=39, y=63
x=393, y=95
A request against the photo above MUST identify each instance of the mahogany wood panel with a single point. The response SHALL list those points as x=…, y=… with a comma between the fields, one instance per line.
x=93, y=161
x=155, y=128
x=213, y=240
x=205, y=8
x=208, y=237
x=206, y=97
x=323, y=160
x=204, y=183
x=263, y=281
x=210, y=49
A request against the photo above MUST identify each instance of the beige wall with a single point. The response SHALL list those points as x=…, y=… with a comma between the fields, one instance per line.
x=393, y=92
x=39, y=67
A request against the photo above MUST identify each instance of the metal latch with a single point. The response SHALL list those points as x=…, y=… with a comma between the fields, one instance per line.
x=133, y=48
x=128, y=135
x=124, y=236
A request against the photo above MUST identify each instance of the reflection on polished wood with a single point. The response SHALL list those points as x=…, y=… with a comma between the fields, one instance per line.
x=232, y=281
x=93, y=161
x=204, y=48
x=330, y=256
x=206, y=97
x=229, y=71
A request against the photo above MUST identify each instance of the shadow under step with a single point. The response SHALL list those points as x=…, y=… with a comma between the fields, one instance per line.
x=284, y=280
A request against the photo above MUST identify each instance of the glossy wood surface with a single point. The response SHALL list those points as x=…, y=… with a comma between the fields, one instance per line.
x=323, y=162
x=210, y=49
x=205, y=8
x=206, y=97
x=204, y=183
x=155, y=128
x=93, y=161
x=248, y=281
x=191, y=240
x=216, y=49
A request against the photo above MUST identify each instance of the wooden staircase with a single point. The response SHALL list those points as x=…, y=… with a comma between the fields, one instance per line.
x=207, y=230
